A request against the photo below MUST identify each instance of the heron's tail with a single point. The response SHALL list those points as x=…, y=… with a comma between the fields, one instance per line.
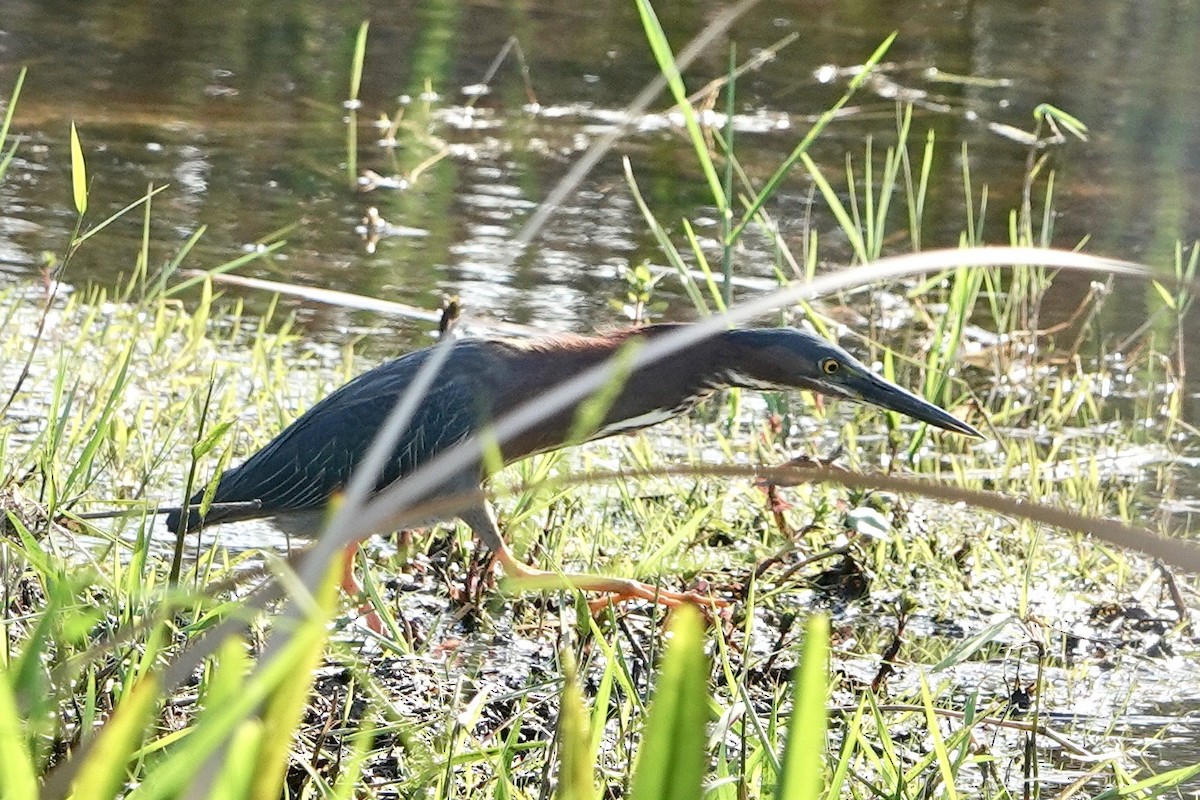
x=218, y=513
x=194, y=520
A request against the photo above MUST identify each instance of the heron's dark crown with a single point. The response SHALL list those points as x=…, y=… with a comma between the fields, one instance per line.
x=779, y=358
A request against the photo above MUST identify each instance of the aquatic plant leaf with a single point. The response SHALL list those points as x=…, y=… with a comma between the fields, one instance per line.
x=802, y=775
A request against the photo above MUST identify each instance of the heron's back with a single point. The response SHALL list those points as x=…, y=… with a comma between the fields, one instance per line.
x=313, y=458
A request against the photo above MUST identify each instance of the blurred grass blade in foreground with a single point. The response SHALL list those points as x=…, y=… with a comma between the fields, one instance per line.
x=802, y=775
x=671, y=762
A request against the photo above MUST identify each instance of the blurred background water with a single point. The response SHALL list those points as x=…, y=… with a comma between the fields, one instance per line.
x=239, y=107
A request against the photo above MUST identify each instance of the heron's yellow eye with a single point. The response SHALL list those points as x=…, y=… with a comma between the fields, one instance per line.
x=830, y=365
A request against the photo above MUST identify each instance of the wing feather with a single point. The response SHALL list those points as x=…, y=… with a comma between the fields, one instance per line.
x=314, y=457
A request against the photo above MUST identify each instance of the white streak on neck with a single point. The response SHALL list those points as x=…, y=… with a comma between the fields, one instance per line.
x=646, y=420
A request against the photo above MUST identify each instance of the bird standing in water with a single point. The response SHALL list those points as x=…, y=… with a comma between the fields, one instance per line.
x=295, y=475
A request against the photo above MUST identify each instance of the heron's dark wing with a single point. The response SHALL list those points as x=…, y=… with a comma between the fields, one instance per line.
x=314, y=457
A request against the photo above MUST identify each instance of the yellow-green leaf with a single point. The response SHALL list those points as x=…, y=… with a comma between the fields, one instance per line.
x=360, y=54
x=237, y=770
x=78, y=173
x=17, y=778
x=1166, y=296
x=285, y=707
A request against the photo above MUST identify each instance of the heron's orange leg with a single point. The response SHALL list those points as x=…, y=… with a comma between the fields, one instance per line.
x=616, y=590
x=354, y=589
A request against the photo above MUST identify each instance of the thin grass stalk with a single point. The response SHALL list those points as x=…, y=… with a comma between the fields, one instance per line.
x=78, y=238
x=665, y=243
x=715, y=290
x=100, y=425
x=353, y=104
x=971, y=236
x=669, y=68
x=853, y=214
x=137, y=280
x=189, y=485
x=727, y=211
x=232, y=264
x=23, y=375
x=846, y=219
x=169, y=269
x=10, y=109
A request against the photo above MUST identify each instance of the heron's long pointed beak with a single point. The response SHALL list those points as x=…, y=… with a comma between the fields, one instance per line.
x=872, y=389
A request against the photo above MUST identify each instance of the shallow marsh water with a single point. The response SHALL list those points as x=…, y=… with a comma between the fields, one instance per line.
x=239, y=108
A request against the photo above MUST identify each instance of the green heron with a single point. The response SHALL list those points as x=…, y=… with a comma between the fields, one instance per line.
x=295, y=475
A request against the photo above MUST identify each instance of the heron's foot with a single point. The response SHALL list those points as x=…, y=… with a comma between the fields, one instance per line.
x=615, y=590
x=350, y=585
x=655, y=594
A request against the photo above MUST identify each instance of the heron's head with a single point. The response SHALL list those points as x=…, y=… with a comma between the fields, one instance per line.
x=784, y=358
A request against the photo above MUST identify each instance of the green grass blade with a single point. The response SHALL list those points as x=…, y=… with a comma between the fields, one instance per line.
x=727, y=215
x=803, y=771
x=850, y=738
x=285, y=708
x=1153, y=786
x=974, y=644
x=360, y=54
x=228, y=266
x=938, y=744
x=671, y=761
x=92, y=231
x=852, y=230
x=351, y=776
x=12, y=105
x=356, y=70
x=101, y=429
x=18, y=778
x=237, y=771
x=7, y=157
x=575, y=771
x=103, y=772
x=717, y=292
x=665, y=243
x=666, y=64
x=822, y=122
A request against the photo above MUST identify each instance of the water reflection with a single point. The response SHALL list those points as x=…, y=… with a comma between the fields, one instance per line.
x=240, y=110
